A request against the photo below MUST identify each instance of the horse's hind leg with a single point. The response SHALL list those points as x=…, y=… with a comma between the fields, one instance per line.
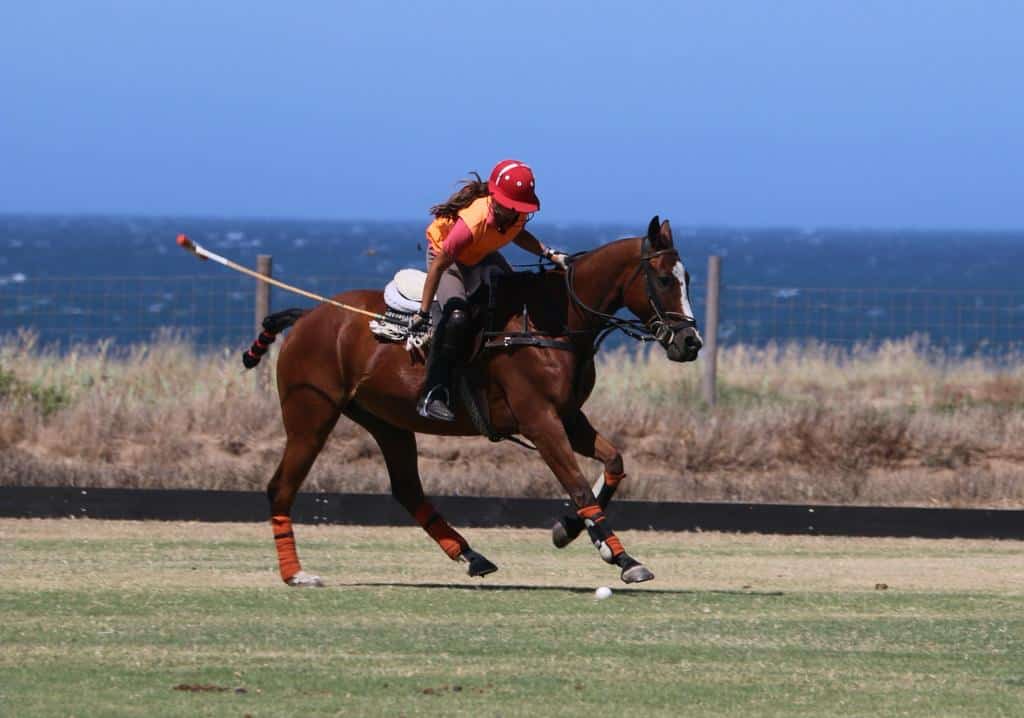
x=400, y=455
x=587, y=441
x=308, y=424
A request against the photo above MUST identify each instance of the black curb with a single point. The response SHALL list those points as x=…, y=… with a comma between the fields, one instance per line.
x=484, y=512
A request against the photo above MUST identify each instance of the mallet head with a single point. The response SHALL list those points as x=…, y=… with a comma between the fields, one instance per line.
x=185, y=243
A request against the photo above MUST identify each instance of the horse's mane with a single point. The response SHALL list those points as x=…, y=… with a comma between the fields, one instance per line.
x=543, y=294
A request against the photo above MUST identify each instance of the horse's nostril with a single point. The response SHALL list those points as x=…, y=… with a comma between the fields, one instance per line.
x=692, y=343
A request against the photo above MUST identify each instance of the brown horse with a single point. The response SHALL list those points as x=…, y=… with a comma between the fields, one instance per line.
x=332, y=366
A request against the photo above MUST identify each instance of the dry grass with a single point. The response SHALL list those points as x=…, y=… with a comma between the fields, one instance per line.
x=690, y=561
x=897, y=424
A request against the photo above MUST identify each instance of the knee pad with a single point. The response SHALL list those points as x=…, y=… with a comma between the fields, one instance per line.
x=458, y=320
x=456, y=305
x=456, y=316
x=453, y=327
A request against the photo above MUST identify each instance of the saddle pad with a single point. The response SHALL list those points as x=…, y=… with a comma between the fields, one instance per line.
x=394, y=299
x=409, y=283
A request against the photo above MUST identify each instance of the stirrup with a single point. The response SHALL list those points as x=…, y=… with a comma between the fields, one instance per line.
x=433, y=407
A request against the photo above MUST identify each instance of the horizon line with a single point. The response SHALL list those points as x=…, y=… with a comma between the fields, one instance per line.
x=798, y=226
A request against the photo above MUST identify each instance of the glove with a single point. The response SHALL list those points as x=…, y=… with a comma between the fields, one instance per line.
x=418, y=322
x=559, y=258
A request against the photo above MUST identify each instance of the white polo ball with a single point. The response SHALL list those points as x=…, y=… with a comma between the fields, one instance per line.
x=602, y=593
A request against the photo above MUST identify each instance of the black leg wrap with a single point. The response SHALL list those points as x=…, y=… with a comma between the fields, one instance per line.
x=605, y=495
x=625, y=561
x=565, y=530
x=632, y=570
x=599, y=536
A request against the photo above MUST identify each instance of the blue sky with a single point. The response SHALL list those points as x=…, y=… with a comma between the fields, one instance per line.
x=799, y=112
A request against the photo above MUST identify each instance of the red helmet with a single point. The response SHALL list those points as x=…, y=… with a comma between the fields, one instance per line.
x=511, y=183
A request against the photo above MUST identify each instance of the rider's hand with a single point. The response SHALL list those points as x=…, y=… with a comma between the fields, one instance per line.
x=559, y=258
x=418, y=322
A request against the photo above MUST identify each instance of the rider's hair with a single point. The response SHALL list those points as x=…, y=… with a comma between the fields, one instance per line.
x=471, y=189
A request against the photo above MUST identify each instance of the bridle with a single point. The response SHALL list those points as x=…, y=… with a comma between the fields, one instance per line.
x=662, y=327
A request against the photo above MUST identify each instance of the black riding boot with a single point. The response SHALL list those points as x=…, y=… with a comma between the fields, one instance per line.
x=438, y=401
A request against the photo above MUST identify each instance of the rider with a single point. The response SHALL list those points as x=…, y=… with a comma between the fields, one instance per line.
x=462, y=254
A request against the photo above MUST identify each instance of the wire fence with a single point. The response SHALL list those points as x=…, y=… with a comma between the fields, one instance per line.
x=968, y=321
x=218, y=312
x=215, y=312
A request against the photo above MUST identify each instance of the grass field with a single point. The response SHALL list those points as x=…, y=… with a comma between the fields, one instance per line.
x=144, y=619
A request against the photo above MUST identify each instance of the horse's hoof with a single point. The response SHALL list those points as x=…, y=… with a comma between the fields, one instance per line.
x=632, y=570
x=478, y=565
x=565, y=531
x=636, y=574
x=305, y=580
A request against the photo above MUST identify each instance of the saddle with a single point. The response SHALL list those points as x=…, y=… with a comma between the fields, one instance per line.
x=506, y=297
x=404, y=293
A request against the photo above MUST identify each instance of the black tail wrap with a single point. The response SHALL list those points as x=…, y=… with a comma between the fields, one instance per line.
x=259, y=347
x=273, y=325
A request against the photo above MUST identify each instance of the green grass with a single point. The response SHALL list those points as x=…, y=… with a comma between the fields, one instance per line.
x=109, y=625
x=46, y=399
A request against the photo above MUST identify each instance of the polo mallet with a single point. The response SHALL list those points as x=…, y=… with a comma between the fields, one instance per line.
x=185, y=243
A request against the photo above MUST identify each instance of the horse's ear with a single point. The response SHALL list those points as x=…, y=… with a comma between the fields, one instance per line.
x=659, y=233
x=652, y=228
x=665, y=233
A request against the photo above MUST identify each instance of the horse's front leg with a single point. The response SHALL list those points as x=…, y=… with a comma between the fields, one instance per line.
x=548, y=432
x=587, y=441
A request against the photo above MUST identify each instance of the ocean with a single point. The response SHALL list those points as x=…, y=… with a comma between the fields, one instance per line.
x=75, y=279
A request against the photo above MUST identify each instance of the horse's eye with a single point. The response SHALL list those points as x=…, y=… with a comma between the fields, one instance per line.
x=665, y=282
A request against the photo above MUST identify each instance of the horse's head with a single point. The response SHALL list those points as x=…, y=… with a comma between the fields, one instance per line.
x=659, y=294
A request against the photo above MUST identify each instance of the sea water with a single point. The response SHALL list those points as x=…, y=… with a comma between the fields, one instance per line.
x=87, y=278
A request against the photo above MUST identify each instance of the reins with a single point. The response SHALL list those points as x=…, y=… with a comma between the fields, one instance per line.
x=658, y=328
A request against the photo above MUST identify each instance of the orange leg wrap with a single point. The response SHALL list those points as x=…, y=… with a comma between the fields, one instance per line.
x=612, y=480
x=596, y=515
x=284, y=539
x=450, y=541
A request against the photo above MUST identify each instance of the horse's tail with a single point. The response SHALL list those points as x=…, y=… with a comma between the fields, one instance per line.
x=273, y=324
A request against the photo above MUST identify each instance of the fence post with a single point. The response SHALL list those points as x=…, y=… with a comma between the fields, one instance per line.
x=264, y=265
x=709, y=355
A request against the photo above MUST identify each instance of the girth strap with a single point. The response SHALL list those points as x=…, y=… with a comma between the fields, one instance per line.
x=478, y=417
x=524, y=339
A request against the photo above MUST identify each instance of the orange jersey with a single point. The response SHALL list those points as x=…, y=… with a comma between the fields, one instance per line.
x=486, y=237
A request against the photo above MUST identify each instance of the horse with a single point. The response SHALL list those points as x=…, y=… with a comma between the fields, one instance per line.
x=330, y=365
